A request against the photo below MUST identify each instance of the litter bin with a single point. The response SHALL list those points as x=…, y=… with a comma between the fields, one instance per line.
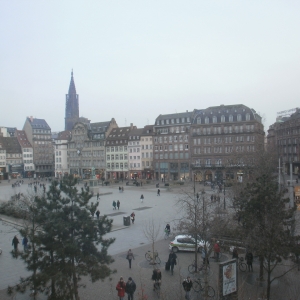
x=126, y=221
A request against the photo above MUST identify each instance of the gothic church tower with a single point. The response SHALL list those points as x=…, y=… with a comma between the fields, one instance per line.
x=72, y=106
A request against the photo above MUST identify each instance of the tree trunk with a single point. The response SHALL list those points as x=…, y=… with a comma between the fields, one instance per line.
x=261, y=268
x=269, y=282
x=153, y=256
x=75, y=284
x=53, y=289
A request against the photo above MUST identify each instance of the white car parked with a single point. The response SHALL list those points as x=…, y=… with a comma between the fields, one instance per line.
x=186, y=243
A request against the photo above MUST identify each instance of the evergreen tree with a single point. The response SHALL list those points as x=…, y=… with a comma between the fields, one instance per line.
x=266, y=222
x=66, y=242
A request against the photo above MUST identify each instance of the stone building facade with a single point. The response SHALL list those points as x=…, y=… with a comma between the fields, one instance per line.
x=38, y=133
x=27, y=154
x=61, y=153
x=223, y=140
x=117, y=153
x=171, y=155
x=147, y=152
x=284, y=136
x=14, y=161
x=86, y=149
x=134, y=153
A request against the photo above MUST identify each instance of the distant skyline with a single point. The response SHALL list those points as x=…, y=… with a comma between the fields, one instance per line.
x=133, y=60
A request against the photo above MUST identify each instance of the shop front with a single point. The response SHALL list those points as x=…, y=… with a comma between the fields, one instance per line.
x=135, y=175
x=147, y=174
x=3, y=174
x=16, y=171
x=208, y=175
x=28, y=174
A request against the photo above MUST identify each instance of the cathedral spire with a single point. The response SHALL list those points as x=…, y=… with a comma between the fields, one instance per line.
x=72, y=89
x=72, y=106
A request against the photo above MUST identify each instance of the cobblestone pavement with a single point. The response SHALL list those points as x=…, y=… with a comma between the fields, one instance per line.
x=162, y=210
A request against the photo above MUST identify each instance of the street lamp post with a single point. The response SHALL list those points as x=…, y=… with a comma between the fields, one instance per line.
x=224, y=197
x=122, y=173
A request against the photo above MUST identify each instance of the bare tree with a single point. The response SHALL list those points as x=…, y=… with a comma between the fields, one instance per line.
x=151, y=231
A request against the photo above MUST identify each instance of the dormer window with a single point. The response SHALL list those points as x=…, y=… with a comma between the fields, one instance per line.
x=222, y=118
x=239, y=117
x=214, y=119
x=230, y=118
x=206, y=120
x=247, y=117
x=198, y=120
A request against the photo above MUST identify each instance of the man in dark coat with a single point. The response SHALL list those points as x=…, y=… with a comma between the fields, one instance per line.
x=172, y=260
x=249, y=259
x=130, y=288
x=187, y=285
x=15, y=243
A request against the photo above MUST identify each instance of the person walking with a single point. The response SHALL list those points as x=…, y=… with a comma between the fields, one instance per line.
x=249, y=259
x=118, y=204
x=172, y=260
x=121, y=286
x=130, y=257
x=15, y=243
x=187, y=285
x=217, y=251
x=114, y=204
x=98, y=195
x=130, y=288
x=156, y=277
x=204, y=256
x=25, y=243
x=142, y=198
x=167, y=231
x=158, y=192
x=132, y=217
x=235, y=253
x=98, y=214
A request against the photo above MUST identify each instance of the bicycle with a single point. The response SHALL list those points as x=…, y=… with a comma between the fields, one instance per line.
x=167, y=234
x=149, y=256
x=242, y=265
x=202, y=267
x=197, y=287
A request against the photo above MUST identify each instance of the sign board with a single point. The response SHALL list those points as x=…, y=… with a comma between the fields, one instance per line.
x=297, y=190
x=228, y=279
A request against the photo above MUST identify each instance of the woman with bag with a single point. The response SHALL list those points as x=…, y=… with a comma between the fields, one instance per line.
x=129, y=257
x=132, y=217
x=121, y=288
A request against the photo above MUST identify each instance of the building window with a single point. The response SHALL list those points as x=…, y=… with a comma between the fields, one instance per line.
x=247, y=117
x=198, y=120
x=206, y=120
x=239, y=117
x=214, y=119
x=222, y=118
x=230, y=118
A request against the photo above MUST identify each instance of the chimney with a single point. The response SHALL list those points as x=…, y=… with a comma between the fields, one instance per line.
x=131, y=125
x=31, y=119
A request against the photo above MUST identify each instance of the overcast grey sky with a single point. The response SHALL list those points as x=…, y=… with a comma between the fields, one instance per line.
x=134, y=60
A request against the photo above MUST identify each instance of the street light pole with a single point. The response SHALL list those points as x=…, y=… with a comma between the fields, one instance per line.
x=224, y=197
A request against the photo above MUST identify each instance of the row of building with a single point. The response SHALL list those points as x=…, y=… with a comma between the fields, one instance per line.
x=210, y=144
x=206, y=142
